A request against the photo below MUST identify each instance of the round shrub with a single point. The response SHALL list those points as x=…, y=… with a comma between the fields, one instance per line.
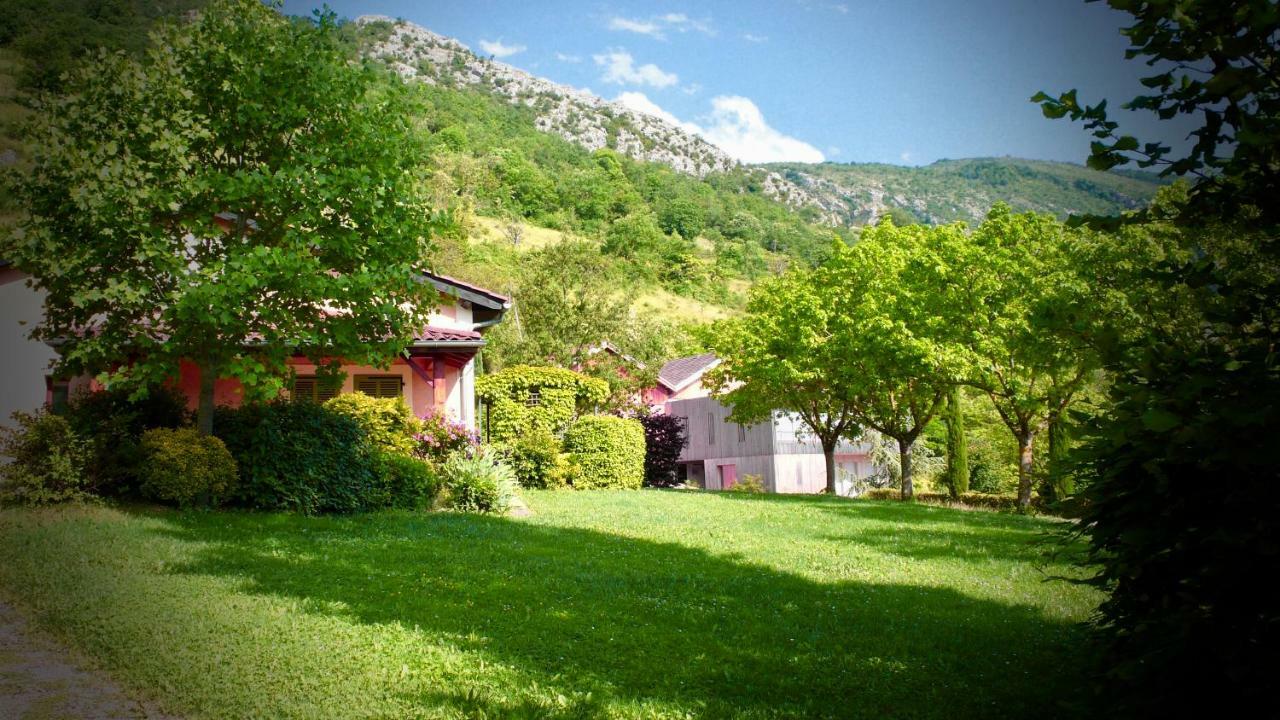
x=478, y=483
x=48, y=461
x=185, y=468
x=388, y=423
x=301, y=457
x=538, y=460
x=606, y=452
x=408, y=483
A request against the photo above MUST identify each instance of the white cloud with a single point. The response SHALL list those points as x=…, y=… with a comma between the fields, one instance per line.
x=737, y=126
x=620, y=69
x=498, y=50
x=691, y=89
x=562, y=57
x=752, y=38
x=658, y=26
x=642, y=27
x=905, y=156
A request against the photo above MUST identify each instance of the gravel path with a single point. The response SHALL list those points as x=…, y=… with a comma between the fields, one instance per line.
x=41, y=680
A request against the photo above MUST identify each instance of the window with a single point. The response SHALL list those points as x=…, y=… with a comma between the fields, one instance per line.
x=59, y=393
x=311, y=389
x=380, y=386
x=742, y=433
x=535, y=397
x=711, y=429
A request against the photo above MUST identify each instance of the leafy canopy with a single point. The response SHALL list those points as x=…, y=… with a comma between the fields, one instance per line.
x=243, y=190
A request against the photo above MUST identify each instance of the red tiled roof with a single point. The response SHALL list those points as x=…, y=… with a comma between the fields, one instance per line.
x=432, y=333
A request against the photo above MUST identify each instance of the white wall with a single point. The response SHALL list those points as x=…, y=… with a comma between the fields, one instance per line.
x=23, y=362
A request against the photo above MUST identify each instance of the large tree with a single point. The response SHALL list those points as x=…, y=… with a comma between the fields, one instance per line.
x=783, y=355
x=243, y=192
x=1026, y=306
x=892, y=296
x=1182, y=516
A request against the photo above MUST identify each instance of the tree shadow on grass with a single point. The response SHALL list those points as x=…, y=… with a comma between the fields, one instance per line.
x=639, y=622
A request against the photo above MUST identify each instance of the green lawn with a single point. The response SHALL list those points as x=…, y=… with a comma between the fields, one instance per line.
x=630, y=604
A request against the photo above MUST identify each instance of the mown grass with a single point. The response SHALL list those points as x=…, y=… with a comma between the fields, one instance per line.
x=640, y=604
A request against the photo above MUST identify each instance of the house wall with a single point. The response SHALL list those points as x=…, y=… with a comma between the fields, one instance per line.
x=693, y=390
x=714, y=441
x=24, y=363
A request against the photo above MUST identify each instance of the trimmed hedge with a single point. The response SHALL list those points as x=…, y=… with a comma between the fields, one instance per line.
x=538, y=460
x=185, y=468
x=408, y=483
x=300, y=457
x=1003, y=503
x=522, y=399
x=606, y=452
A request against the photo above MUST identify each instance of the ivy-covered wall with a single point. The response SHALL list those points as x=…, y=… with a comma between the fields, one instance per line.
x=522, y=399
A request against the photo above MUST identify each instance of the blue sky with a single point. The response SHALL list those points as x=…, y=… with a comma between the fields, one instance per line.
x=900, y=81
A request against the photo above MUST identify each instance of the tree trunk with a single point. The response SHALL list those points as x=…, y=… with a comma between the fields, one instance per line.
x=904, y=460
x=204, y=413
x=1025, y=459
x=829, y=455
x=957, y=446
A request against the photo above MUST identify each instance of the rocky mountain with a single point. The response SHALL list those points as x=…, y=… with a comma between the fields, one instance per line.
x=576, y=115
x=829, y=193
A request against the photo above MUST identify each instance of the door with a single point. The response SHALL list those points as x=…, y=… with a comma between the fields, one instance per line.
x=728, y=476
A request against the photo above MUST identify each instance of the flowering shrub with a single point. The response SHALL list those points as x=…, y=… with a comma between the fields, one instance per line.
x=441, y=437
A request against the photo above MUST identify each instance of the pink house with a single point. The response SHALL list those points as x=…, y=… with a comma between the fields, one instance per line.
x=435, y=374
x=680, y=379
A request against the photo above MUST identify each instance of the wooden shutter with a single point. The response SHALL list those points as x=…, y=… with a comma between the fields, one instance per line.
x=310, y=388
x=380, y=386
x=304, y=388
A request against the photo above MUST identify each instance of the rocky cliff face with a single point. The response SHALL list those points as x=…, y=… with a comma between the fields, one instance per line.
x=576, y=115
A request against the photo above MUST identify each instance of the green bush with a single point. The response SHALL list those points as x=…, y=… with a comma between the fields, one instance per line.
x=606, y=452
x=538, y=461
x=388, y=423
x=300, y=457
x=48, y=461
x=185, y=468
x=408, y=483
x=112, y=423
x=749, y=484
x=478, y=483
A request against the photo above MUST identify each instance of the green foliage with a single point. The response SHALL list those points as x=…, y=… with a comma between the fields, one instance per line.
x=140, y=155
x=522, y=399
x=749, y=484
x=1214, y=61
x=478, y=482
x=388, y=423
x=537, y=458
x=185, y=468
x=299, y=457
x=112, y=422
x=47, y=461
x=606, y=452
x=957, y=472
x=407, y=483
